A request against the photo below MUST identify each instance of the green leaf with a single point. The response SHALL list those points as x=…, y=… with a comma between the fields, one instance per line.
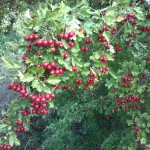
x=51, y=104
x=110, y=12
x=35, y=83
x=28, y=78
x=24, y=103
x=52, y=16
x=109, y=57
x=40, y=71
x=47, y=89
x=13, y=139
x=64, y=43
x=143, y=140
x=85, y=72
x=10, y=64
x=53, y=80
x=75, y=49
x=129, y=122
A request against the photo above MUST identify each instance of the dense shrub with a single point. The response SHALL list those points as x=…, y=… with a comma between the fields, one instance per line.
x=89, y=69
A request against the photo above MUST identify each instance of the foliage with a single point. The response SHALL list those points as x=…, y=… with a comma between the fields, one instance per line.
x=101, y=57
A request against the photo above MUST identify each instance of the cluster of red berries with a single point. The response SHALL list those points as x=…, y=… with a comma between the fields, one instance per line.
x=101, y=38
x=25, y=112
x=32, y=37
x=132, y=34
x=103, y=59
x=105, y=28
x=52, y=67
x=143, y=29
x=114, y=30
x=50, y=42
x=127, y=100
x=38, y=103
x=20, y=129
x=89, y=41
x=63, y=87
x=84, y=49
x=66, y=36
x=18, y=88
x=107, y=46
x=117, y=47
x=104, y=70
x=130, y=18
x=70, y=45
x=78, y=81
x=5, y=147
x=128, y=80
x=91, y=79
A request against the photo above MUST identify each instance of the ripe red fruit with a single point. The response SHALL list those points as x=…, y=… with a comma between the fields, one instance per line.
x=37, y=99
x=45, y=43
x=50, y=42
x=20, y=123
x=114, y=28
x=65, y=55
x=38, y=66
x=47, y=96
x=74, y=69
x=23, y=92
x=45, y=64
x=53, y=64
x=27, y=38
x=72, y=88
x=80, y=82
x=66, y=36
x=31, y=37
x=61, y=35
x=36, y=36
x=86, y=49
x=103, y=59
x=53, y=50
x=52, y=95
x=57, y=72
x=71, y=43
x=60, y=45
x=52, y=72
x=71, y=34
x=69, y=47
x=39, y=42
x=44, y=105
x=49, y=67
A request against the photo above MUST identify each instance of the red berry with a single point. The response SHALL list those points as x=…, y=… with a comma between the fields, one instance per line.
x=74, y=69
x=71, y=34
x=39, y=42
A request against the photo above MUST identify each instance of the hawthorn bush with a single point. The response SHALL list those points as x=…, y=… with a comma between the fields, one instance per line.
x=89, y=65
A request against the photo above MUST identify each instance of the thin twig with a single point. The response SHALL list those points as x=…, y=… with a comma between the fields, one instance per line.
x=26, y=144
x=116, y=35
